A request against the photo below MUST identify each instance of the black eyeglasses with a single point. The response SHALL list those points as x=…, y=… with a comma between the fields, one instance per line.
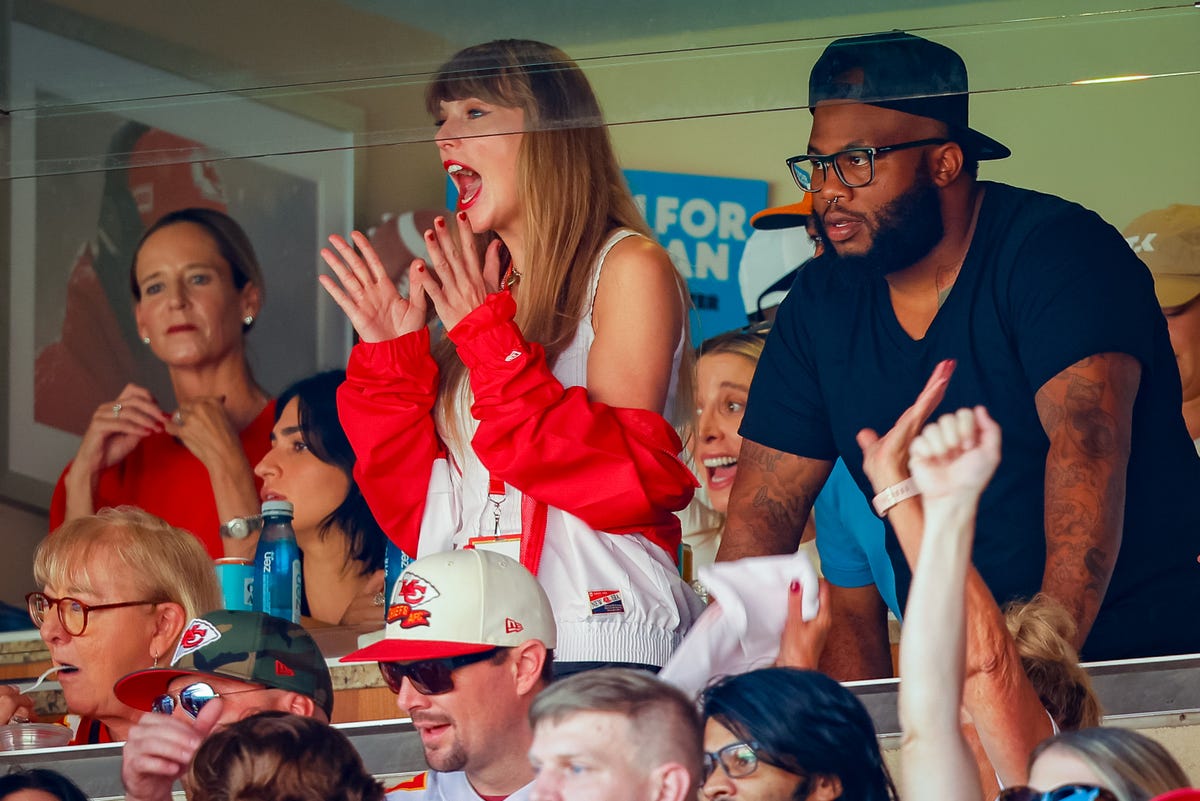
x=72, y=612
x=736, y=759
x=854, y=167
x=1068, y=792
x=192, y=698
x=430, y=676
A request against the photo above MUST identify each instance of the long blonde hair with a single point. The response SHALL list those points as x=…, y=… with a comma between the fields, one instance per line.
x=1130, y=764
x=568, y=176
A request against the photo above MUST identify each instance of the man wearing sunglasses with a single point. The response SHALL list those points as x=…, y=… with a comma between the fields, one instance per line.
x=1053, y=326
x=228, y=665
x=468, y=645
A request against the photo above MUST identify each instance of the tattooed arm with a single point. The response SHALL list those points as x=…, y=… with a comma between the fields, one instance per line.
x=770, y=501
x=1087, y=412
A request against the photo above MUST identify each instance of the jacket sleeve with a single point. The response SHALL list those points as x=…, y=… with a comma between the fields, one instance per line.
x=616, y=469
x=385, y=406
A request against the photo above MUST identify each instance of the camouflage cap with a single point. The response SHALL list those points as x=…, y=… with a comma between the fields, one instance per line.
x=246, y=646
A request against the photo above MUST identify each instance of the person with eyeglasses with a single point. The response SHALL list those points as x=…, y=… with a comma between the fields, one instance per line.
x=468, y=645
x=1053, y=324
x=118, y=588
x=614, y=734
x=781, y=734
x=228, y=665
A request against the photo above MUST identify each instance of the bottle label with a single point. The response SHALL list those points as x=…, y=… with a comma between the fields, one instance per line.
x=296, y=590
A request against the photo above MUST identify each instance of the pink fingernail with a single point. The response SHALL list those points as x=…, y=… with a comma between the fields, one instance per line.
x=794, y=587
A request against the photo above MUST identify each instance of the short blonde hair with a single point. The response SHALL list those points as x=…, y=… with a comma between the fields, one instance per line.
x=1042, y=630
x=272, y=756
x=159, y=562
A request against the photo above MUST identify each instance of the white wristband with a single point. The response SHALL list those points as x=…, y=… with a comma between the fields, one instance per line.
x=892, y=495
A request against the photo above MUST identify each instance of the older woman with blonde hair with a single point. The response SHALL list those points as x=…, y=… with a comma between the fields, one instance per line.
x=117, y=589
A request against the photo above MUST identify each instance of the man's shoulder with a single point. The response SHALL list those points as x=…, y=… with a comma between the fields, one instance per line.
x=1012, y=210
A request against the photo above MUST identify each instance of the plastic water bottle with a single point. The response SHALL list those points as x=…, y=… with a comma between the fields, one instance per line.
x=277, y=564
x=394, y=563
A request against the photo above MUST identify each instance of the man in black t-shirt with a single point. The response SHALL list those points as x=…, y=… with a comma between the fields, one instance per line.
x=1053, y=326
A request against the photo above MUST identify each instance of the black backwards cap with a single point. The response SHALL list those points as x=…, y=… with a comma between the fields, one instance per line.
x=906, y=73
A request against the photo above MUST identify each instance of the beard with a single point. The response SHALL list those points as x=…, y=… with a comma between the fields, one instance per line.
x=451, y=759
x=906, y=230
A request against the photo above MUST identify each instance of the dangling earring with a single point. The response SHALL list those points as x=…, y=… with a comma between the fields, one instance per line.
x=145, y=340
x=156, y=659
x=248, y=320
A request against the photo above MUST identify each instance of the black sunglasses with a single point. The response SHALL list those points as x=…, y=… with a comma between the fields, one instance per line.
x=1068, y=792
x=192, y=698
x=430, y=676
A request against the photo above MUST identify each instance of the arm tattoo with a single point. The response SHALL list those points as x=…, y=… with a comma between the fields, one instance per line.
x=770, y=501
x=1086, y=411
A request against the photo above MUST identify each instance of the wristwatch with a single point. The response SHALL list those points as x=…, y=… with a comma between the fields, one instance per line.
x=239, y=528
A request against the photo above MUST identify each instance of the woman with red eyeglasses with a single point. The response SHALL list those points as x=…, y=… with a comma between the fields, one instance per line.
x=117, y=589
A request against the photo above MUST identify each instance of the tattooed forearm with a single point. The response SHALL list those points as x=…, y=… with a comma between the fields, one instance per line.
x=1086, y=411
x=770, y=501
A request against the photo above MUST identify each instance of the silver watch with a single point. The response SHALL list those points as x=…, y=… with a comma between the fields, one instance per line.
x=239, y=528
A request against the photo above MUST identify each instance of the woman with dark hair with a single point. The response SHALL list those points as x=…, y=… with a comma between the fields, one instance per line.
x=311, y=464
x=780, y=734
x=536, y=426
x=197, y=289
x=38, y=784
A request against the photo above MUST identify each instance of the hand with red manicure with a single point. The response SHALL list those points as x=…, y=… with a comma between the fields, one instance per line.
x=368, y=296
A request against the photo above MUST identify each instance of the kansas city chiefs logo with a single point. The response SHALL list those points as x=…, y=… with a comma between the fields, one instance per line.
x=198, y=634
x=411, y=592
x=414, y=590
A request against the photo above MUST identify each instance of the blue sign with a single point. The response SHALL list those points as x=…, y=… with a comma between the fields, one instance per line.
x=704, y=223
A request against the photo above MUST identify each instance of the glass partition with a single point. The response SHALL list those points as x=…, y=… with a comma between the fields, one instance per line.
x=312, y=120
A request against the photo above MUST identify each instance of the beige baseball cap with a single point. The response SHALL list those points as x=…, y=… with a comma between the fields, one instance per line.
x=461, y=602
x=1168, y=241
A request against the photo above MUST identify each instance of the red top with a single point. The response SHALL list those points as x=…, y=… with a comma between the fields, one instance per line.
x=164, y=478
x=91, y=732
x=616, y=469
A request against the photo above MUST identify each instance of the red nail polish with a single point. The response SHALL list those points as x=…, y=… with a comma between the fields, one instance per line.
x=441, y=222
x=794, y=587
x=420, y=268
x=462, y=215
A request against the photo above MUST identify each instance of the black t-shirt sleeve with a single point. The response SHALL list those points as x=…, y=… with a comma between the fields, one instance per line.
x=785, y=409
x=1078, y=290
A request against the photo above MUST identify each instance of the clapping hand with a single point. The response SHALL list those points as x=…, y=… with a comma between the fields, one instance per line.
x=465, y=283
x=956, y=456
x=368, y=296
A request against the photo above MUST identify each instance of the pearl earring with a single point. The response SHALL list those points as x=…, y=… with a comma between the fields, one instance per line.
x=145, y=340
x=248, y=319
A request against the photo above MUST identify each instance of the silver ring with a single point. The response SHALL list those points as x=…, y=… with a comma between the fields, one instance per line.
x=177, y=418
x=379, y=599
x=833, y=200
x=116, y=407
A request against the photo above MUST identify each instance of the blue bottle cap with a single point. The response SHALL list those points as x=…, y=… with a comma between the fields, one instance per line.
x=277, y=508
